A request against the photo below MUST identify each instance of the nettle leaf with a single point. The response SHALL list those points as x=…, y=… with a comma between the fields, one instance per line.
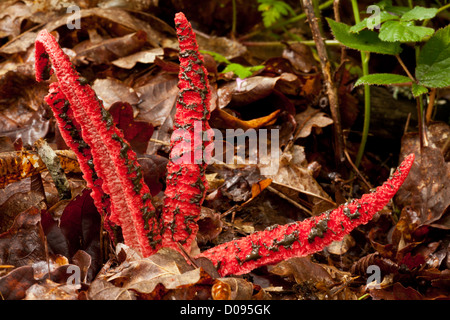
x=369, y=22
x=419, y=13
x=418, y=90
x=433, y=64
x=404, y=31
x=382, y=79
x=366, y=40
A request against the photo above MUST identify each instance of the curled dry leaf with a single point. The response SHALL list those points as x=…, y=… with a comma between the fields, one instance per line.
x=210, y=225
x=428, y=185
x=49, y=290
x=309, y=119
x=149, y=278
x=315, y=281
x=102, y=51
x=111, y=90
x=17, y=203
x=297, y=178
x=300, y=56
x=252, y=89
x=146, y=56
x=223, y=119
x=15, y=283
x=232, y=289
x=158, y=98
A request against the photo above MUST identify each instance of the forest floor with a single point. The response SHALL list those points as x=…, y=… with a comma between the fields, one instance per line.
x=265, y=72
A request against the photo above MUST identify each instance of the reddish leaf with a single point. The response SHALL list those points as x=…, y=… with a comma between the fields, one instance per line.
x=137, y=133
x=79, y=229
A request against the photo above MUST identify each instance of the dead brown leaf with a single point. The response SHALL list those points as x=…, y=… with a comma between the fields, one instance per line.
x=309, y=119
x=149, y=278
x=427, y=187
x=23, y=243
x=300, y=56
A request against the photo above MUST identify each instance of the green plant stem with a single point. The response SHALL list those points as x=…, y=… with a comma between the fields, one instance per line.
x=233, y=23
x=365, y=68
x=286, y=22
x=443, y=8
x=366, y=125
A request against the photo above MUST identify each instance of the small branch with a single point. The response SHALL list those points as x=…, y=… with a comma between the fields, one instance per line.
x=356, y=170
x=432, y=97
x=337, y=17
x=283, y=196
x=405, y=68
x=328, y=78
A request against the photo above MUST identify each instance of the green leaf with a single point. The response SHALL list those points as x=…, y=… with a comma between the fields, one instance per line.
x=382, y=79
x=240, y=70
x=433, y=64
x=366, y=40
x=419, y=13
x=393, y=31
x=217, y=56
x=367, y=23
x=418, y=90
x=272, y=10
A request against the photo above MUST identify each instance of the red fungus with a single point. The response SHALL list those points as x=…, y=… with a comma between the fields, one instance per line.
x=103, y=150
x=71, y=133
x=186, y=184
x=113, y=160
x=302, y=238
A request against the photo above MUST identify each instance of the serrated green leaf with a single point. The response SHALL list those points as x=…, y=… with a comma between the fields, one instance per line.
x=401, y=31
x=382, y=79
x=366, y=40
x=418, y=90
x=272, y=10
x=419, y=13
x=366, y=23
x=433, y=64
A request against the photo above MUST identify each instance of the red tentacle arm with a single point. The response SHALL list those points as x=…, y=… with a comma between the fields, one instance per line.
x=306, y=237
x=71, y=132
x=114, y=161
x=186, y=182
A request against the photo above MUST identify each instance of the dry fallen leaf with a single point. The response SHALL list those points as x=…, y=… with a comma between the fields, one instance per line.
x=309, y=119
x=149, y=278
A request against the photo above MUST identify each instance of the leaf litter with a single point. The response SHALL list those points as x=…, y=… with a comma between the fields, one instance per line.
x=132, y=64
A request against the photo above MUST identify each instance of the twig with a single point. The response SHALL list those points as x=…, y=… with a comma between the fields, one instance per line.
x=328, y=78
x=160, y=142
x=283, y=196
x=405, y=68
x=337, y=17
x=432, y=97
x=356, y=170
